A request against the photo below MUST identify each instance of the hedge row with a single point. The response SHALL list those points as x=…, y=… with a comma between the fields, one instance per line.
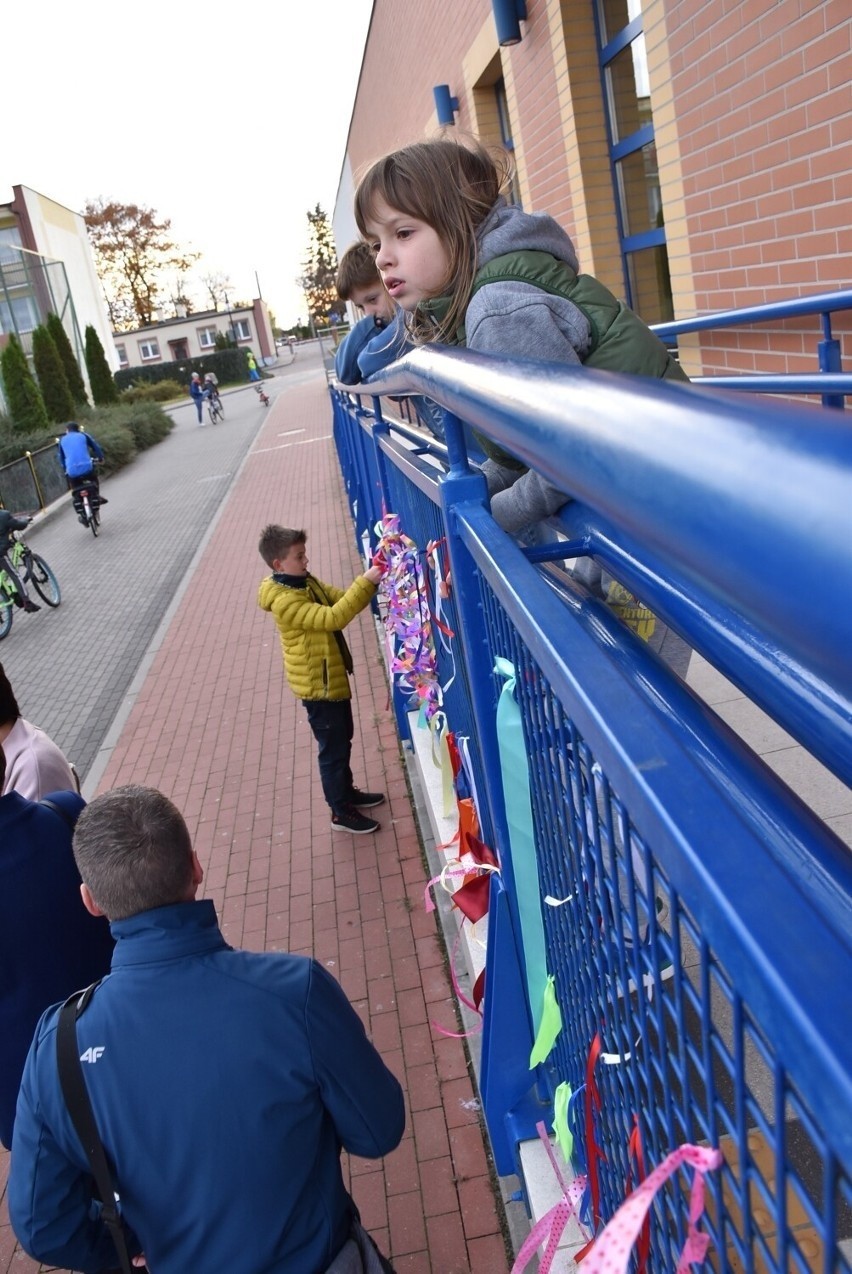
x=122, y=431
x=226, y=364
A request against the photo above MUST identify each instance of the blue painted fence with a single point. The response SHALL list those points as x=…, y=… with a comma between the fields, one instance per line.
x=706, y=947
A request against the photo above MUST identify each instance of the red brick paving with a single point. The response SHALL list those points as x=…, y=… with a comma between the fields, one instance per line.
x=216, y=728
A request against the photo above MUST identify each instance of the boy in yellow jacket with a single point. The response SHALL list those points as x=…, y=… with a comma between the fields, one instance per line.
x=311, y=617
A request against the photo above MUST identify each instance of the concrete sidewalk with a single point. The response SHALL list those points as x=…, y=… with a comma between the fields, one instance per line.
x=214, y=726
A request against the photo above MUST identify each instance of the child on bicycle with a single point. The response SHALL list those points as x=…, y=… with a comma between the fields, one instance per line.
x=8, y=524
x=78, y=453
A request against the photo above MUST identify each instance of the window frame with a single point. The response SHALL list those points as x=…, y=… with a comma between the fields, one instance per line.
x=150, y=358
x=618, y=150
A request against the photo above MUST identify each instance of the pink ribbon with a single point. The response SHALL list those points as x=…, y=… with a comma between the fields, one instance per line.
x=550, y=1228
x=611, y=1251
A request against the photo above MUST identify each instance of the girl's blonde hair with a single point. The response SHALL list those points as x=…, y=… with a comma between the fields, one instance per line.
x=452, y=188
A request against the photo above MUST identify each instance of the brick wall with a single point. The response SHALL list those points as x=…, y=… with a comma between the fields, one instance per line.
x=753, y=109
x=764, y=110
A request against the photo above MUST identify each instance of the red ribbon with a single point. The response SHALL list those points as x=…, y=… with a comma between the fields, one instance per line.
x=592, y=1102
x=635, y=1151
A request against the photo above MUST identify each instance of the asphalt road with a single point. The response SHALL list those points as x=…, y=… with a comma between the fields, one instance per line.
x=71, y=667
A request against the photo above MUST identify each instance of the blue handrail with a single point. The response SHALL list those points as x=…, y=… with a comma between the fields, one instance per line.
x=759, y=494
x=828, y=351
x=798, y=307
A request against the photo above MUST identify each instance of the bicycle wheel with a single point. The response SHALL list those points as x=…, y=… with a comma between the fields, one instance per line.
x=90, y=512
x=5, y=619
x=220, y=409
x=43, y=579
x=211, y=412
x=95, y=520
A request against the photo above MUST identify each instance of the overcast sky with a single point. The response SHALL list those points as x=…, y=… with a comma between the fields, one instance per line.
x=229, y=120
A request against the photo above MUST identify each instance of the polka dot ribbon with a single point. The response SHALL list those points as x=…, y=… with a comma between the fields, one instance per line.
x=611, y=1251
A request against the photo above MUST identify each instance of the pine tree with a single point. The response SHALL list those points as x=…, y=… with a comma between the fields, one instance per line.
x=319, y=280
x=23, y=396
x=104, y=389
x=52, y=380
x=69, y=359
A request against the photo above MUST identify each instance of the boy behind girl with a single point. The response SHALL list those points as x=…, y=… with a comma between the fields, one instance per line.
x=379, y=338
x=311, y=616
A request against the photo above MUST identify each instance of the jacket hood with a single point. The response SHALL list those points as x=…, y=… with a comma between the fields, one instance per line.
x=508, y=228
x=267, y=593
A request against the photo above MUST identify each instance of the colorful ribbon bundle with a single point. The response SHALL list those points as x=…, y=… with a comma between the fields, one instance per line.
x=407, y=620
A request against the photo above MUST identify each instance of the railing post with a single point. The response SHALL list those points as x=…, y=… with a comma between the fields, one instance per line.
x=29, y=456
x=510, y=1103
x=381, y=429
x=829, y=361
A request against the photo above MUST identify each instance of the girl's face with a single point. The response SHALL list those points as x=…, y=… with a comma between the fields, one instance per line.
x=410, y=256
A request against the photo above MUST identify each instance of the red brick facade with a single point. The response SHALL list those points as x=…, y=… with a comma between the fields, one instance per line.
x=752, y=106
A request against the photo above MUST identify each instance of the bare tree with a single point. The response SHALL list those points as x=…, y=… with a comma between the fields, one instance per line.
x=217, y=286
x=133, y=251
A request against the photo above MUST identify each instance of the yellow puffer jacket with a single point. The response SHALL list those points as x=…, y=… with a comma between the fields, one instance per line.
x=307, y=624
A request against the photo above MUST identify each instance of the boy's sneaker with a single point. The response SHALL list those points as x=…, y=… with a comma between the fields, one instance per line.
x=365, y=800
x=349, y=820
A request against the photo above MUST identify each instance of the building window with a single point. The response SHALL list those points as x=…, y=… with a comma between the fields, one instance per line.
x=242, y=330
x=10, y=240
x=207, y=337
x=19, y=314
x=513, y=194
x=121, y=350
x=633, y=156
x=148, y=351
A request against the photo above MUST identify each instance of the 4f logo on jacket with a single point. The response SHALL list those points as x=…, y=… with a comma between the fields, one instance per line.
x=92, y=1054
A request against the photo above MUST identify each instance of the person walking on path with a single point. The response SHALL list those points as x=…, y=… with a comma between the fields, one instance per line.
x=311, y=617
x=196, y=389
x=224, y=1083
x=254, y=374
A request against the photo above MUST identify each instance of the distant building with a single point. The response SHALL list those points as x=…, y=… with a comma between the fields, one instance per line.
x=194, y=335
x=46, y=264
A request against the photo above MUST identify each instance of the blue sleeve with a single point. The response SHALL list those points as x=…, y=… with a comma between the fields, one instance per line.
x=61, y=455
x=49, y=1196
x=361, y=1095
x=385, y=348
x=98, y=450
x=346, y=359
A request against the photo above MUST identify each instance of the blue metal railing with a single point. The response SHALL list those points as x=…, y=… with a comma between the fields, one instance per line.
x=830, y=383
x=693, y=873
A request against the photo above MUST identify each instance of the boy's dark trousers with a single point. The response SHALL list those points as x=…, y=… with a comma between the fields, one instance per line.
x=333, y=727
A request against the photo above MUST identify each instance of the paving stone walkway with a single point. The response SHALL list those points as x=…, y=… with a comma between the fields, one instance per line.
x=210, y=721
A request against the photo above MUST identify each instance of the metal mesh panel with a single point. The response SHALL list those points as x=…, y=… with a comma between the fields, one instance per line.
x=32, y=482
x=687, y=1059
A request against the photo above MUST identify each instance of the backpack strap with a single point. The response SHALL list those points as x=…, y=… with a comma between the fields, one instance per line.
x=79, y=1105
x=69, y=819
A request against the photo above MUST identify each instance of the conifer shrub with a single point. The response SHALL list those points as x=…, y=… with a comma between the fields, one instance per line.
x=23, y=396
x=69, y=359
x=104, y=390
x=52, y=380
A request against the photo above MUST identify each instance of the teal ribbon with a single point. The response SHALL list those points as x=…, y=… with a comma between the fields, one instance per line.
x=515, y=773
